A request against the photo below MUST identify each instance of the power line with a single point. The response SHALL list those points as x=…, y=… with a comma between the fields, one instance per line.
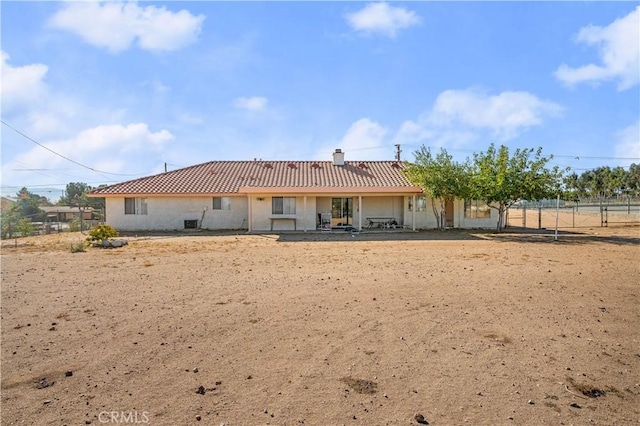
x=100, y=172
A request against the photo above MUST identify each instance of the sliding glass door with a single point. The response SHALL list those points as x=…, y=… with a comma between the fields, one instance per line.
x=342, y=211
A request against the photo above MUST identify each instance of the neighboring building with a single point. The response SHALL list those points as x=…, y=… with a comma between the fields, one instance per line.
x=6, y=203
x=66, y=213
x=281, y=195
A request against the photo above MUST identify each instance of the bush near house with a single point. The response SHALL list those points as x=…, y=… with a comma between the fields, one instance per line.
x=101, y=233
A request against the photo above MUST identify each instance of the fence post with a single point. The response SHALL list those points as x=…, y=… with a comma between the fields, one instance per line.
x=601, y=214
x=539, y=217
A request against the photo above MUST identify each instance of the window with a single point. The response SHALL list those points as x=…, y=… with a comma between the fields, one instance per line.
x=135, y=205
x=191, y=224
x=283, y=205
x=221, y=203
x=476, y=209
x=421, y=204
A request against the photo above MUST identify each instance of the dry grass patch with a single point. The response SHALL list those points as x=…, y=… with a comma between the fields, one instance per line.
x=361, y=386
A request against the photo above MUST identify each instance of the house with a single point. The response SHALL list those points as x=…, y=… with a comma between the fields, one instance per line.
x=281, y=195
x=66, y=213
x=6, y=203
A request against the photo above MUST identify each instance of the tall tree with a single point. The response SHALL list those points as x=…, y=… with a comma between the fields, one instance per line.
x=76, y=195
x=572, y=188
x=74, y=191
x=501, y=179
x=632, y=180
x=440, y=177
x=28, y=205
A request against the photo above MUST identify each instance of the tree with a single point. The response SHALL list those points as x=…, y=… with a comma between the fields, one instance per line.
x=632, y=180
x=572, y=188
x=76, y=196
x=500, y=179
x=74, y=191
x=28, y=205
x=441, y=178
x=24, y=227
x=9, y=218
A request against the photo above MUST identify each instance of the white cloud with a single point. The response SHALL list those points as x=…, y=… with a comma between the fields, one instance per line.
x=21, y=86
x=364, y=137
x=107, y=147
x=256, y=103
x=619, y=50
x=117, y=25
x=380, y=18
x=628, y=145
x=505, y=114
x=458, y=117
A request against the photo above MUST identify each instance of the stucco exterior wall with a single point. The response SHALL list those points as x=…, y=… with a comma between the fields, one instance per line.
x=169, y=213
x=384, y=206
x=261, y=214
x=427, y=220
x=469, y=223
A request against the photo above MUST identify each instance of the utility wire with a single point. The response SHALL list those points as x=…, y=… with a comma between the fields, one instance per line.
x=100, y=172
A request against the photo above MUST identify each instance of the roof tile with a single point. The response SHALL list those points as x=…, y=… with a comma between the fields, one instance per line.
x=229, y=177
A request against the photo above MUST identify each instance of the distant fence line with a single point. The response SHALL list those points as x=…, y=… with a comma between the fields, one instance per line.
x=575, y=213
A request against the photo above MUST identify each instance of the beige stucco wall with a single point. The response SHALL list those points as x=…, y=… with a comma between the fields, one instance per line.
x=169, y=213
x=372, y=206
x=261, y=214
x=427, y=220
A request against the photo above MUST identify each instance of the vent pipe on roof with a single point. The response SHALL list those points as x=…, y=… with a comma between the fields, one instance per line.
x=338, y=158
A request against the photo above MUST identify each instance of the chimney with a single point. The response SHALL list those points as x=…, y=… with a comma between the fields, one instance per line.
x=338, y=158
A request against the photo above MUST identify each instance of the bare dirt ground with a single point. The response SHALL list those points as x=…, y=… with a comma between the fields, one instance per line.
x=324, y=329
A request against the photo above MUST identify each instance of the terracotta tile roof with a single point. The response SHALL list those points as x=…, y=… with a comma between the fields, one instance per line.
x=238, y=177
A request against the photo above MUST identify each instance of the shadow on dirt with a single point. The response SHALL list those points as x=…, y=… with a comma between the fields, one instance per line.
x=627, y=236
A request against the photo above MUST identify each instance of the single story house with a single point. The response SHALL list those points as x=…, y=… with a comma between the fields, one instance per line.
x=6, y=203
x=66, y=213
x=281, y=195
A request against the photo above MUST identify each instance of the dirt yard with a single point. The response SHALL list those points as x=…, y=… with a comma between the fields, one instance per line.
x=324, y=329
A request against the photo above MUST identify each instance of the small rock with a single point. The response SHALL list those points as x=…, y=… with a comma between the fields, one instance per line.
x=47, y=401
x=201, y=390
x=52, y=329
x=574, y=405
x=68, y=373
x=43, y=383
x=420, y=419
x=195, y=370
x=531, y=402
x=198, y=417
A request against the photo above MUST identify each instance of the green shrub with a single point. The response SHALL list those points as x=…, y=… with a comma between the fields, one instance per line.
x=100, y=233
x=77, y=247
x=24, y=227
x=74, y=224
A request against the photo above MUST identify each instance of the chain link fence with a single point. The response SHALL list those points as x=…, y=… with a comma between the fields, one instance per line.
x=575, y=214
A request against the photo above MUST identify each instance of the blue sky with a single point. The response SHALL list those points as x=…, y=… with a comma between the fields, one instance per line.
x=123, y=88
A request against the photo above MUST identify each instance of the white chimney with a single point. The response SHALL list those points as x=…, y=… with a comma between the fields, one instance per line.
x=338, y=158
